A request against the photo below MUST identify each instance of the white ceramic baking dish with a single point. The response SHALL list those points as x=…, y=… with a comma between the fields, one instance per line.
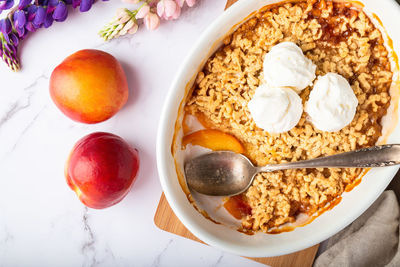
x=353, y=204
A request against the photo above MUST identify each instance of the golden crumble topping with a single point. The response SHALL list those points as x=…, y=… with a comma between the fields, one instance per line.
x=337, y=38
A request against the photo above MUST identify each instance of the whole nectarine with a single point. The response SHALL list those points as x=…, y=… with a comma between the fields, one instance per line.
x=101, y=169
x=89, y=86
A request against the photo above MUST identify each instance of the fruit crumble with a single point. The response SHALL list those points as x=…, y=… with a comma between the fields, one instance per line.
x=337, y=37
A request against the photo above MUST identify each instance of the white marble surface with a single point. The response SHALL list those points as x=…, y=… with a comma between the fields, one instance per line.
x=42, y=223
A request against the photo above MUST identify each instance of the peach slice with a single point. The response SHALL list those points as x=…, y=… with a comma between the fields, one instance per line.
x=237, y=207
x=214, y=140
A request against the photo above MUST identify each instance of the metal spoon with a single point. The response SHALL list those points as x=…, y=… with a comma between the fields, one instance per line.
x=226, y=173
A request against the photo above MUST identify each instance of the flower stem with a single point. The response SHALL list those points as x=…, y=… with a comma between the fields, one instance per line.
x=9, y=57
x=120, y=25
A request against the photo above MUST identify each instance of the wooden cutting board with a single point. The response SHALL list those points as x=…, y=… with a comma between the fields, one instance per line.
x=166, y=220
x=229, y=3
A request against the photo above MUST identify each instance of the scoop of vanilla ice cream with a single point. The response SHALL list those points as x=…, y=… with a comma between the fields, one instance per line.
x=286, y=65
x=275, y=109
x=332, y=103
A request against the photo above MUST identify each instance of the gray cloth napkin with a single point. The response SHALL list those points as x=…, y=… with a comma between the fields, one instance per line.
x=371, y=240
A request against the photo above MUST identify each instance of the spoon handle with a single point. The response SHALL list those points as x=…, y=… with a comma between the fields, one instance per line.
x=376, y=156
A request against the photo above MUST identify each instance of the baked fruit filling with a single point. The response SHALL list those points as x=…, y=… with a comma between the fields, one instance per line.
x=337, y=38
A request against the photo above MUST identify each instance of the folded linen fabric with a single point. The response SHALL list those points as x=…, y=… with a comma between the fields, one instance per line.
x=371, y=240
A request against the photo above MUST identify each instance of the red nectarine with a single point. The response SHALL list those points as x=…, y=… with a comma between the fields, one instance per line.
x=101, y=169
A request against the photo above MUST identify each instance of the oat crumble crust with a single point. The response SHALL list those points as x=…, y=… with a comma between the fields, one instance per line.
x=337, y=38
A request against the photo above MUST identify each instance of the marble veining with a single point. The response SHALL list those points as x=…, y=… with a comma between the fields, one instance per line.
x=26, y=129
x=22, y=103
x=157, y=260
x=88, y=247
x=218, y=260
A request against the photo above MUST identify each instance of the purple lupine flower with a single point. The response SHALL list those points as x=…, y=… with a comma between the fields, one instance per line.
x=11, y=60
x=12, y=49
x=31, y=12
x=50, y=9
x=19, y=19
x=61, y=12
x=30, y=27
x=76, y=3
x=52, y=3
x=6, y=4
x=40, y=17
x=28, y=18
x=23, y=3
x=6, y=52
x=85, y=5
x=20, y=31
x=48, y=21
x=5, y=26
x=6, y=37
x=14, y=39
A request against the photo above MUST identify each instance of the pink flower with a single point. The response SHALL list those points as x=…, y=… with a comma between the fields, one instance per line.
x=152, y=21
x=190, y=3
x=177, y=12
x=180, y=2
x=168, y=9
x=143, y=12
x=133, y=29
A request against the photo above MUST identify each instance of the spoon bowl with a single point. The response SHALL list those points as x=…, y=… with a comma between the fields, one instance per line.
x=220, y=173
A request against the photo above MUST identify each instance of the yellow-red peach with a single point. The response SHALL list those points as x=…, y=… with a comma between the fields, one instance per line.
x=89, y=86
